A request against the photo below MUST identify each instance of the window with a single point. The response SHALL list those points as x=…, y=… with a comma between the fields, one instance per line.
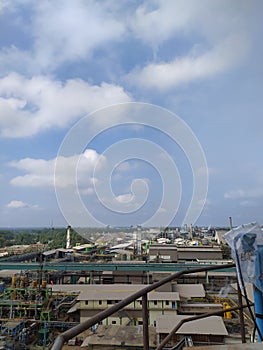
x=86, y=302
x=155, y=302
x=100, y=302
x=140, y=323
x=109, y=302
x=167, y=303
x=113, y=322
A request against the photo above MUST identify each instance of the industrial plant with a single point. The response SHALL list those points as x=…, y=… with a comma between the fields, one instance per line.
x=116, y=286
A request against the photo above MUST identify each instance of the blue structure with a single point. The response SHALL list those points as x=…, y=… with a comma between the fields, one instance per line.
x=246, y=242
x=258, y=289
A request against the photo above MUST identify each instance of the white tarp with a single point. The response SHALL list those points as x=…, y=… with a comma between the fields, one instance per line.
x=246, y=242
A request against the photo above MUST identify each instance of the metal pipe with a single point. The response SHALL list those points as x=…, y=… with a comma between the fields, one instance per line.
x=240, y=301
x=65, y=336
x=145, y=318
x=194, y=318
x=241, y=314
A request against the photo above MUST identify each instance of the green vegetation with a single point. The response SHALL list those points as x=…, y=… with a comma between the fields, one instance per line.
x=52, y=238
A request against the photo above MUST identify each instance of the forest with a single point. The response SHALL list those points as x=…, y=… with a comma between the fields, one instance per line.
x=54, y=238
x=51, y=237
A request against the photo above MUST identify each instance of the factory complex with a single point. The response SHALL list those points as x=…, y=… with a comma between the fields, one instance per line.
x=44, y=293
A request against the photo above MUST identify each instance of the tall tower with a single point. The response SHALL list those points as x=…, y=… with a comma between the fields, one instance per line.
x=68, y=237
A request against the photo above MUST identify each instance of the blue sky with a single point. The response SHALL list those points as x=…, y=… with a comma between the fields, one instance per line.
x=61, y=61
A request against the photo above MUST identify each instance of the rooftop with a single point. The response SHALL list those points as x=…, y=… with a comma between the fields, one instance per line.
x=121, y=294
x=190, y=290
x=131, y=336
x=210, y=325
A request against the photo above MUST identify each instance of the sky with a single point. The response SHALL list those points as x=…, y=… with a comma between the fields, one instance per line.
x=127, y=113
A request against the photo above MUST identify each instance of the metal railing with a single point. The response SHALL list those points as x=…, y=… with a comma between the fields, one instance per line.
x=72, y=332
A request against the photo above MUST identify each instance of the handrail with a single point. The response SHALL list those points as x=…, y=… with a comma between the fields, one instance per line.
x=72, y=332
x=194, y=318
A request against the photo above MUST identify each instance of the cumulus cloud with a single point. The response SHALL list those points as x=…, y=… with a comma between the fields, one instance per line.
x=79, y=27
x=60, y=32
x=40, y=172
x=15, y=204
x=217, y=48
x=29, y=106
x=167, y=75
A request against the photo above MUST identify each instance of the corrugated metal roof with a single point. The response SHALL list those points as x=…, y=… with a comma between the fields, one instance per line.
x=211, y=325
x=95, y=287
x=163, y=296
x=121, y=251
x=190, y=290
x=122, y=245
x=50, y=252
x=120, y=295
x=103, y=295
x=83, y=246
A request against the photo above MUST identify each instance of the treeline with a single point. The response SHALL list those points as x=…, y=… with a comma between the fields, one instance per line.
x=51, y=238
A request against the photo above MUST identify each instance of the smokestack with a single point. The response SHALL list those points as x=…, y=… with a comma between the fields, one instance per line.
x=191, y=231
x=230, y=223
x=68, y=237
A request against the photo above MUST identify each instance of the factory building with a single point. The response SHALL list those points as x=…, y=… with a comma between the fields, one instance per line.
x=174, y=253
x=96, y=298
x=210, y=330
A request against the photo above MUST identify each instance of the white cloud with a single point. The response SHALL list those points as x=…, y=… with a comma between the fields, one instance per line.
x=161, y=210
x=240, y=193
x=168, y=16
x=29, y=106
x=127, y=166
x=15, y=204
x=217, y=36
x=60, y=32
x=248, y=204
x=211, y=21
x=87, y=191
x=167, y=75
x=4, y=5
x=70, y=31
x=40, y=172
x=125, y=198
